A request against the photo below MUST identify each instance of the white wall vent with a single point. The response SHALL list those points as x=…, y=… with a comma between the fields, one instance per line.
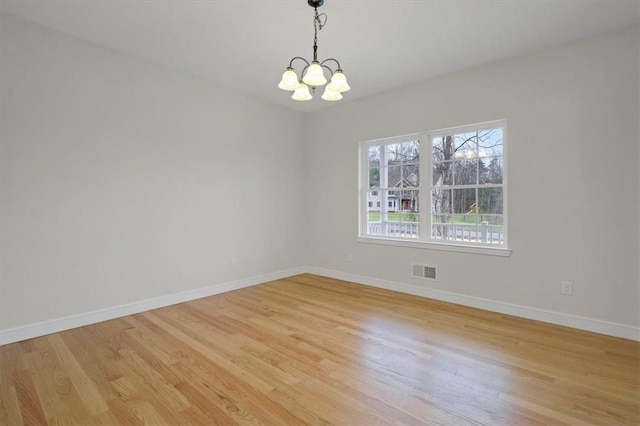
x=425, y=272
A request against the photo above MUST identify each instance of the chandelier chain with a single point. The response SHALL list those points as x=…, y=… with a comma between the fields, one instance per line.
x=318, y=24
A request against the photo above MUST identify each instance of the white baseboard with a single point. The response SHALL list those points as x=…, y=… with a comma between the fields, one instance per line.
x=567, y=320
x=66, y=323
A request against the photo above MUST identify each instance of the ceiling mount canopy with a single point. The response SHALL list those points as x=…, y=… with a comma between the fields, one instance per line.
x=313, y=73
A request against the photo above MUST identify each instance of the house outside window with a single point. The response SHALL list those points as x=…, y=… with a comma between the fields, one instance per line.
x=460, y=204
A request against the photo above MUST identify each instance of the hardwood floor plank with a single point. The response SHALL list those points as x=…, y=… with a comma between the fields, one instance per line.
x=9, y=405
x=208, y=407
x=61, y=402
x=30, y=408
x=83, y=384
x=11, y=362
x=139, y=411
x=318, y=351
x=154, y=382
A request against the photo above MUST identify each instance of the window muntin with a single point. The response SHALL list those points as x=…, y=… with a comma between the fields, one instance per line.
x=465, y=191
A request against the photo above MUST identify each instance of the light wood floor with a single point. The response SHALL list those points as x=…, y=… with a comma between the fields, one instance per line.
x=320, y=351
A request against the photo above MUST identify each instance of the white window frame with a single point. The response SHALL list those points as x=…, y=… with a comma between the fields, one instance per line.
x=424, y=240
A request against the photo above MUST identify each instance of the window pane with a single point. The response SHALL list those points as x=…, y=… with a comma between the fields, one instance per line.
x=464, y=200
x=374, y=225
x=441, y=201
x=491, y=170
x=490, y=200
x=491, y=229
x=438, y=149
x=394, y=176
x=374, y=177
x=441, y=226
x=373, y=200
x=443, y=148
x=411, y=176
x=490, y=142
x=374, y=156
x=394, y=153
x=409, y=201
x=393, y=203
x=442, y=173
x=466, y=146
x=411, y=152
x=465, y=172
x=410, y=228
x=392, y=218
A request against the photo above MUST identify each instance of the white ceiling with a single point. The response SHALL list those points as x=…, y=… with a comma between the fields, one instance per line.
x=381, y=44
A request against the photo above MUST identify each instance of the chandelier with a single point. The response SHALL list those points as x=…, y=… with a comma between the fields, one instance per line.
x=313, y=72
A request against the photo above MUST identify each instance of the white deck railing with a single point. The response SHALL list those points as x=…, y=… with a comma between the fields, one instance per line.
x=395, y=229
x=481, y=232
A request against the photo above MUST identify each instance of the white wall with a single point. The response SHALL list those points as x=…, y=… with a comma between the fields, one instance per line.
x=573, y=146
x=124, y=181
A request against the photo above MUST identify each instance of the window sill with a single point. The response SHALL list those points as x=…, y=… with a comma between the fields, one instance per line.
x=460, y=248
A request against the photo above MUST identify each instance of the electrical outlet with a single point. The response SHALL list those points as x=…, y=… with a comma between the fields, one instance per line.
x=234, y=263
x=567, y=288
x=349, y=256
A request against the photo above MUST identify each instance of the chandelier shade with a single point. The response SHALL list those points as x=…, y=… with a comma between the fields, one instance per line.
x=339, y=82
x=312, y=74
x=302, y=93
x=289, y=80
x=331, y=95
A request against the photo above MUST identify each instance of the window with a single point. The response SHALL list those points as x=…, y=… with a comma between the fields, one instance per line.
x=461, y=204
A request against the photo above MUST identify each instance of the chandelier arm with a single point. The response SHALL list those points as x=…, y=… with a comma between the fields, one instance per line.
x=331, y=59
x=298, y=57
x=324, y=66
